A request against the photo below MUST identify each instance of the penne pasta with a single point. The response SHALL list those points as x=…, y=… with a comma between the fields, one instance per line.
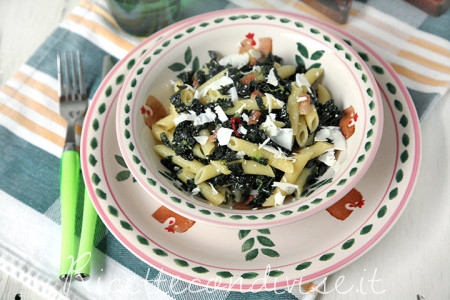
x=163, y=151
x=252, y=167
x=186, y=96
x=320, y=148
x=203, y=89
x=285, y=71
x=301, y=181
x=301, y=159
x=211, y=193
x=251, y=149
x=158, y=130
x=205, y=173
x=313, y=74
x=302, y=134
x=251, y=104
x=323, y=95
x=167, y=123
x=198, y=152
x=220, y=166
x=185, y=175
x=192, y=166
x=292, y=105
x=207, y=191
x=237, y=144
x=208, y=148
x=177, y=85
x=312, y=119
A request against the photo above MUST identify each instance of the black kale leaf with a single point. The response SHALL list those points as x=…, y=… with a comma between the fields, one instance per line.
x=329, y=113
x=223, y=153
x=183, y=140
x=255, y=135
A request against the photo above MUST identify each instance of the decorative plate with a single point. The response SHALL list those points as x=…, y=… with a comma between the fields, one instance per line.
x=264, y=259
x=294, y=39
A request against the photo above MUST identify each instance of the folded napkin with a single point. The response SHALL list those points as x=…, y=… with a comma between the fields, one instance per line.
x=32, y=136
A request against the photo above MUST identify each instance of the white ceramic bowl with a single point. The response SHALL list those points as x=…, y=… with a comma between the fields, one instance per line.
x=345, y=75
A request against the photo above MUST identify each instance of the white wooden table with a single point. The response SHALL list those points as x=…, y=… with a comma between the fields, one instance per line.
x=412, y=259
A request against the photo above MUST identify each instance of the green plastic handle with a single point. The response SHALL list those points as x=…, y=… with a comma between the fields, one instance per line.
x=84, y=257
x=69, y=185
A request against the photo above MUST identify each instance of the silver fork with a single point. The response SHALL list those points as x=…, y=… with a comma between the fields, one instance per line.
x=72, y=92
x=73, y=104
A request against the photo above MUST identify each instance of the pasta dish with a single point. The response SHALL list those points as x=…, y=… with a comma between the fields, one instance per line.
x=247, y=131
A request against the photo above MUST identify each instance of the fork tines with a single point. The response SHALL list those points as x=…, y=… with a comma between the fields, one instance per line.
x=70, y=76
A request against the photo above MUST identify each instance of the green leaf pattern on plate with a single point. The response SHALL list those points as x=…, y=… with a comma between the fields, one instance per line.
x=260, y=239
x=181, y=66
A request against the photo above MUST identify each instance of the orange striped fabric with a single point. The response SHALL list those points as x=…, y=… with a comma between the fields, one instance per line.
x=373, y=26
x=99, y=23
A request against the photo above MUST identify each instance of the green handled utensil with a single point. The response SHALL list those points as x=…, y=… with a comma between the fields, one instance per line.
x=84, y=258
x=72, y=104
x=69, y=176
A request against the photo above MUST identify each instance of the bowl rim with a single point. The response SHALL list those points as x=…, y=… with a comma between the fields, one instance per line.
x=223, y=217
